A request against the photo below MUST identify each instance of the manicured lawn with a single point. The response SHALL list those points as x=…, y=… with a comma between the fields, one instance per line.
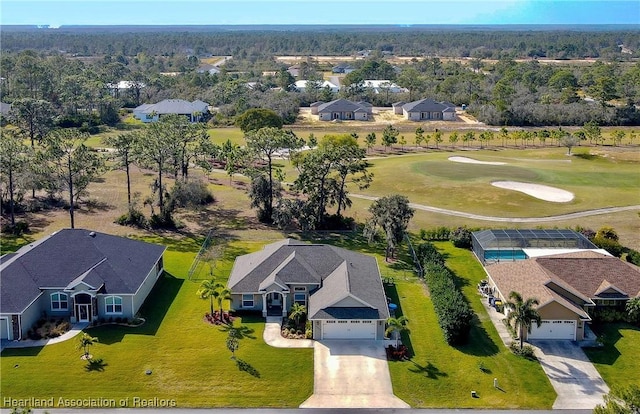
x=188, y=358
x=619, y=360
x=443, y=376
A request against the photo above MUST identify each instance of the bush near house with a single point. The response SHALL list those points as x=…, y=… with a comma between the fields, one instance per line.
x=454, y=314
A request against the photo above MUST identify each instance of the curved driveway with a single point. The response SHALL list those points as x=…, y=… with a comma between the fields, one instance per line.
x=560, y=217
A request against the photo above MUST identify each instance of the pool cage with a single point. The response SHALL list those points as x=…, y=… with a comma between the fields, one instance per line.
x=508, y=245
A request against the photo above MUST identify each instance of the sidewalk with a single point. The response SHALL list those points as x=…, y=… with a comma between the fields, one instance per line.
x=29, y=343
x=273, y=337
x=497, y=317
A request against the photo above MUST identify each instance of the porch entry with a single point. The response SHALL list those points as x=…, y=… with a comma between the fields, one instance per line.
x=274, y=304
x=83, y=307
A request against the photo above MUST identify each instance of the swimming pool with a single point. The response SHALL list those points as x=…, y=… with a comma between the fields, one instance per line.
x=504, y=255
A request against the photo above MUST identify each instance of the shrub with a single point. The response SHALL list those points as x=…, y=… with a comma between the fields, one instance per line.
x=633, y=256
x=454, y=314
x=133, y=217
x=191, y=194
x=525, y=352
x=461, y=237
x=427, y=253
x=610, y=245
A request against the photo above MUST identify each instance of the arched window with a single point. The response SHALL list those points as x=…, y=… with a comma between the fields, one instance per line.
x=59, y=301
x=113, y=304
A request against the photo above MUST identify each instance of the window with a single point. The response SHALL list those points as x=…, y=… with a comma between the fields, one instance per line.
x=300, y=298
x=113, y=304
x=59, y=301
x=247, y=301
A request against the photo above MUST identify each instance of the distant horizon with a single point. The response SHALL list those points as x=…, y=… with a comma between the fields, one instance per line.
x=94, y=13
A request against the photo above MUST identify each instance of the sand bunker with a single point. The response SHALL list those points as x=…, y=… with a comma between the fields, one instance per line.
x=472, y=161
x=543, y=192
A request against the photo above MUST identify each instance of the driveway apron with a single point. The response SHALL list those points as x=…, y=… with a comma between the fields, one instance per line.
x=351, y=374
x=574, y=378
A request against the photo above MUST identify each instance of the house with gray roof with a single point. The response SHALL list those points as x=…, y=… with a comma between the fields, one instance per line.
x=195, y=111
x=429, y=110
x=77, y=274
x=342, y=290
x=5, y=109
x=342, y=109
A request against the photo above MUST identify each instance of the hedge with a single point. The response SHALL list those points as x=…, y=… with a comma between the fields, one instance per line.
x=453, y=311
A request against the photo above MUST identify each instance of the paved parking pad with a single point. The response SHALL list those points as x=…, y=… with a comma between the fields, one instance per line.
x=574, y=378
x=351, y=374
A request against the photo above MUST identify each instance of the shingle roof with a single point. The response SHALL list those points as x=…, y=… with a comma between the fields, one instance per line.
x=340, y=105
x=339, y=272
x=117, y=264
x=427, y=105
x=174, y=106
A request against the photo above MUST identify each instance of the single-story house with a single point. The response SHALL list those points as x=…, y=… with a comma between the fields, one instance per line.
x=195, y=111
x=301, y=86
x=568, y=287
x=383, y=86
x=208, y=68
x=342, y=290
x=397, y=107
x=429, y=110
x=343, y=68
x=123, y=86
x=76, y=273
x=343, y=109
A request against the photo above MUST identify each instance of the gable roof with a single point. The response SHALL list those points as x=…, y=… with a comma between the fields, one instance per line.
x=340, y=105
x=427, y=105
x=114, y=264
x=174, y=106
x=339, y=273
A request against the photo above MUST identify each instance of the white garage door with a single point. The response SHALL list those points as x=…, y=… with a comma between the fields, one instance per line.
x=4, y=328
x=554, y=329
x=350, y=329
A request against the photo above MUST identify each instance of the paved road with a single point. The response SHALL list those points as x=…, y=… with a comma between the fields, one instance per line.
x=560, y=217
x=351, y=374
x=573, y=377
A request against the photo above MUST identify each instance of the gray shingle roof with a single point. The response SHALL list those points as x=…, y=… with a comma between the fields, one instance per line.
x=427, y=105
x=118, y=264
x=174, y=106
x=340, y=273
x=340, y=105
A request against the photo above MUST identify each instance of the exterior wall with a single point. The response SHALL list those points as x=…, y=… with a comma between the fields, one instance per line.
x=325, y=116
x=45, y=304
x=236, y=302
x=31, y=315
x=556, y=311
x=449, y=116
x=380, y=330
x=147, y=285
x=5, y=327
x=412, y=116
x=361, y=116
x=317, y=330
x=127, y=305
x=144, y=118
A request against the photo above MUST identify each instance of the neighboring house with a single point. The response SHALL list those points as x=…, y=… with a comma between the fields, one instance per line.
x=294, y=70
x=397, y=107
x=301, y=86
x=343, y=68
x=341, y=289
x=429, y=110
x=208, y=68
x=342, y=109
x=568, y=286
x=124, y=86
x=75, y=273
x=195, y=111
x=383, y=86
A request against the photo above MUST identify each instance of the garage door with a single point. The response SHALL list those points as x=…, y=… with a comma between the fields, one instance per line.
x=554, y=329
x=4, y=328
x=350, y=329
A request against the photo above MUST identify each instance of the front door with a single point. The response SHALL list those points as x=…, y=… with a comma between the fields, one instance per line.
x=83, y=312
x=275, y=299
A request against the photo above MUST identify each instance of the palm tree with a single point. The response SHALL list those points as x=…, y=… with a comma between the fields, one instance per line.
x=206, y=291
x=296, y=312
x=523, y=313
x=232, y=342
x=221, y=293
x=397, y=325
x=85, y=342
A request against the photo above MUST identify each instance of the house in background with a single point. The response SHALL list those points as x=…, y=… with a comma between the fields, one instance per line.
x=569, y=288
x=5, y=109
x=208, y=68
x=342, y=290
x=342, y=109
x=429, y=110
x=77, y=274
x=294, y=70
x=116, y=89
x=301, y=86
x=383, y=86
x=343, y=68
x=195, y=111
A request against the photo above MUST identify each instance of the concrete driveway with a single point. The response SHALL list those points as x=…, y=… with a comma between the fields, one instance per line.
x=351, y=374
x=575, y=379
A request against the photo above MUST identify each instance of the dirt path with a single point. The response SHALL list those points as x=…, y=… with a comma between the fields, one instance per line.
x=560, y=217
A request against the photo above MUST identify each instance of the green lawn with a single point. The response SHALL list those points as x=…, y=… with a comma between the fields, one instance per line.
x=443, y=376
x=188, y=358
x=619, y=360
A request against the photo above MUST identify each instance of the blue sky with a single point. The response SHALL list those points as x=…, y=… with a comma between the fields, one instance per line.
x=210, y=12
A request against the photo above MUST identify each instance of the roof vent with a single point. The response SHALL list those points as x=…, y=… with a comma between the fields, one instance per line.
x=92, y=234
